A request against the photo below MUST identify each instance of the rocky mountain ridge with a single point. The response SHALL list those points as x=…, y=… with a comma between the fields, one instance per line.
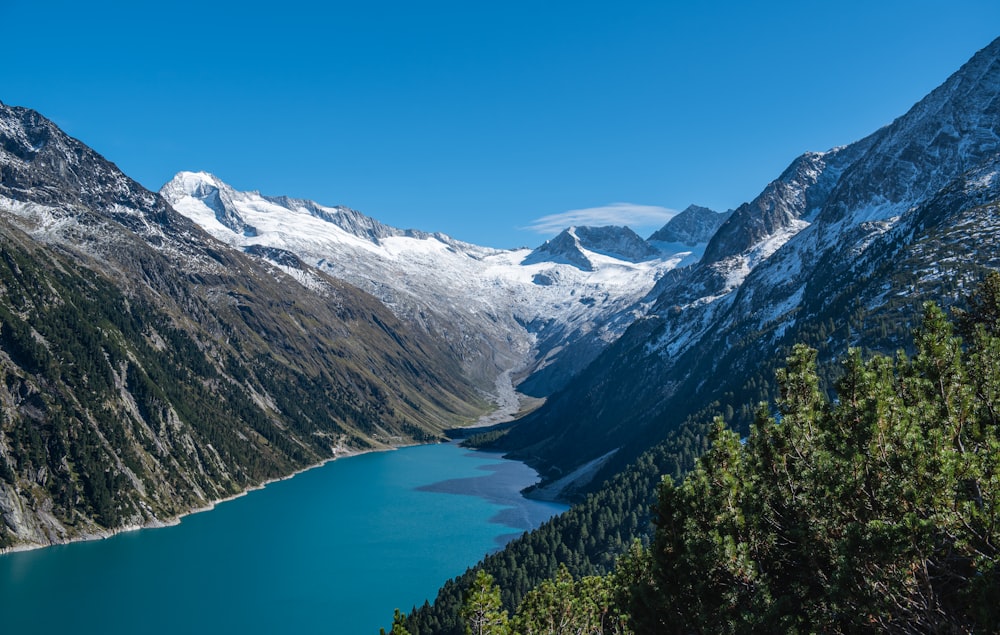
x=149, y=369
x=161, y=354
x=532, y=317
x=572, y=244
x=693, y=226
x=825, y=254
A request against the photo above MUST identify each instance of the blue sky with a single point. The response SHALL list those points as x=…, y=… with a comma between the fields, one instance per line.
x=494, y=122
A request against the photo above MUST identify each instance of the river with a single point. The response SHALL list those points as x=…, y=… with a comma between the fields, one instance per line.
x=332, y=550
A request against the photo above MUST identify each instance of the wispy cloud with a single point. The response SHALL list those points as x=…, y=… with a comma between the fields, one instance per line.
x=613, y=214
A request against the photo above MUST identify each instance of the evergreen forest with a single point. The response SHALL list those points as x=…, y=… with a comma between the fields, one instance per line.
x=871, y=506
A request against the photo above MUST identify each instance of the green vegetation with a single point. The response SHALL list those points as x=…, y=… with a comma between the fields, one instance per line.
x=565, y=605
x=875, y=511
x=157, y=390
x=481, y=610
x=586, y=539
x=72, y=346
x=484, y=439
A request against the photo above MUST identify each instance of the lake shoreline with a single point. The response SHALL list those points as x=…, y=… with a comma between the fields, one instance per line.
x=509, y=406
x=341, y=545
x=157, y=523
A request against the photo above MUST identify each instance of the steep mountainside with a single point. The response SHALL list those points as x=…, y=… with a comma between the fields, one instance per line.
x=824, y=255
x=540, y=315
x=148, y=369
x=693, y=226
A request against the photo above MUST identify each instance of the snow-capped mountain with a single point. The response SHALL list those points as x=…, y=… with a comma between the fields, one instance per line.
x=694, y=226
x=149, y=369
x=573, y=245
x=510, y=313
x=837, y=251
x=156, y=361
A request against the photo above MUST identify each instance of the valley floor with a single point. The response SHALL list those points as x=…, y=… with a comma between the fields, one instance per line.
x=510, y=404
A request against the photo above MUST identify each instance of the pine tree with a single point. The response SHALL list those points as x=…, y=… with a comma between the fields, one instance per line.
x=481, y=610
x=877, y=512
x=565, y=606
x=398, y=624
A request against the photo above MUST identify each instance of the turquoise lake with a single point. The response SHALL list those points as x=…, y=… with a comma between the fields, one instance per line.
x=332, y=550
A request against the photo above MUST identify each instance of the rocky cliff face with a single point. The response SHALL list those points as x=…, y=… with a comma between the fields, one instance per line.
x=148, y=369
x=830, y=253
x=695, y=225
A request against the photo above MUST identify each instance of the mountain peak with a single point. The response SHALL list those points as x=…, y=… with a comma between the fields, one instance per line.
x=42, y=164
x=195, y=183
x=216, y=195
x=695, y=225
x=577, y=244
x=196, y=191
x=946, y=133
